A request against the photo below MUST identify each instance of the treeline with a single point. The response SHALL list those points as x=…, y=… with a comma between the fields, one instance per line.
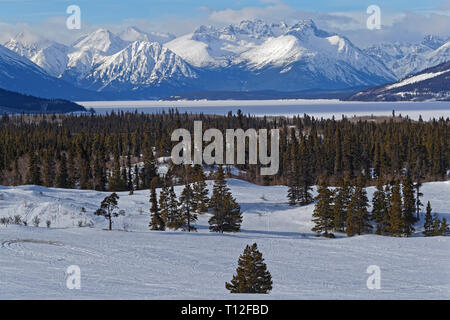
x=119, y=151
x=395, y=210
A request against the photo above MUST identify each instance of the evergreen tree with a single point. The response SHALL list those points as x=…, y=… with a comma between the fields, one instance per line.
x=62, y=180
x=108, y=207
x=174, y=217
x=380, y=207
x=116, y=182
x=200, y=193
x=148, y=172
x=444, y=230
x=48, y=169
x=395, y=226
x=342, y=196
x=409, y=205
x=252, y=275
x=357, y=215
x=187, y=209
x=323, y=214
x=164, y=203
x=226, y=213
x=34, y=172
x=157, y=222
x=428, y=224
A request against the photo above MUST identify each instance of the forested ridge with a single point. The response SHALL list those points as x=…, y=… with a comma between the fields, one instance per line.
x=118, y=151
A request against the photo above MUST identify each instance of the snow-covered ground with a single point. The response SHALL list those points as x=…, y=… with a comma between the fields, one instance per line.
x=134, y=262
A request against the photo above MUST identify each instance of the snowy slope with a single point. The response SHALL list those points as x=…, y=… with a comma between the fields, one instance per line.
x=176, y=265
x=132, y=34
x=430, y=84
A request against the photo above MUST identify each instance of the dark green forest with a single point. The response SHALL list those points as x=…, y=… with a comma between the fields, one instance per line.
x=118, y=151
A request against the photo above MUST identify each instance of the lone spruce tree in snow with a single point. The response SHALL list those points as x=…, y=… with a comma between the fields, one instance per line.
x=108, y=207
x=157, y=222
x=428, y=225
x=252, y=275
x=357, y=215
x=226, y=212
x=323, y=211
x=187, y=209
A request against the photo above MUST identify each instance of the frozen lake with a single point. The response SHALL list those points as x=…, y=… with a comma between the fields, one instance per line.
x=317, y=108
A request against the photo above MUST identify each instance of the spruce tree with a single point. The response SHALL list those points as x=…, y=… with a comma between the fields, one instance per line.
x=395, y=226
x=252, y=275
x=226, y=212
x=409, y=205
x=323, y=215
x=357, y=214
x=342, y=196
x=174, y=218
x=34, y=172
x=62, y=180
x=428, y=224
x=157, y=222
x=380, y=207
x=116, y=182
x=149, y=171
x=48, y=170
x=187, y=209
x=164, y=203
x=200, y=193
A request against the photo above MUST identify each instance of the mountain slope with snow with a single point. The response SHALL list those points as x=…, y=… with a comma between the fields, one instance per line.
x=430, y=84
x=132, y=262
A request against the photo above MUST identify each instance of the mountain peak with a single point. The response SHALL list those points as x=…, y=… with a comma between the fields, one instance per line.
x=102, y=40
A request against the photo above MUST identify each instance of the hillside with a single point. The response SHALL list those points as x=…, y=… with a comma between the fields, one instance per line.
x=13, y=102
x=144, y=264
x=429, y=84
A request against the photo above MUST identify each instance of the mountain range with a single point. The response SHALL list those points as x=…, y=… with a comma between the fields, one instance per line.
x=252, y=56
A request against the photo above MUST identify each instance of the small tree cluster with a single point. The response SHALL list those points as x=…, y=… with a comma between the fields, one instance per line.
x=434, y=226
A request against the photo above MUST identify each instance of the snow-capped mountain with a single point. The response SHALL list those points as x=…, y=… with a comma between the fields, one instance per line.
x=49, y=55
x=429, y=84
x=21, y=75
x=249, y=56
x=141, y=63
x=405, y=58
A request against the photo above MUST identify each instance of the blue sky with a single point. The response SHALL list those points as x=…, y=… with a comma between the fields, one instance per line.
x=402, y=20
x=112, y=11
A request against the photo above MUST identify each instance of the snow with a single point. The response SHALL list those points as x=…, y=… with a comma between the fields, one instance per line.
x=415, y=79
x=144, y=264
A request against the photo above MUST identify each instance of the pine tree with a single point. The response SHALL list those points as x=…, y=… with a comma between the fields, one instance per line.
x=226, y=213
x=409, y=205
x=444, y=230
x=187, y=209
x=323, y=216
x=342, y=196
x=200, y=193
x=116, y=182
x=34, y=172
x=252, y=275
x=357, y=214
x=428, y=224
x=380, y=207
x=164, y=203
x=395, y=226
x=157, y=222
x=108, y=207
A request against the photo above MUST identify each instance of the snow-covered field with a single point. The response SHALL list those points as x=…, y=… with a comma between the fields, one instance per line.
x=132, y=262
